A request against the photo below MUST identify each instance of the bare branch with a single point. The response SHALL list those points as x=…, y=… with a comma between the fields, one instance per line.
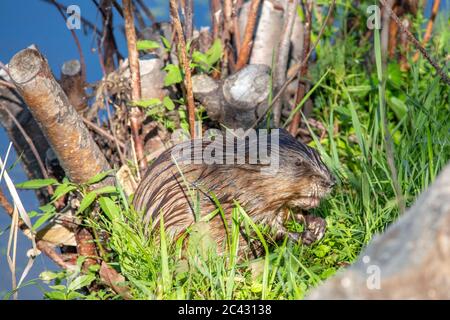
x=185, y=63
x=146, y=10
x=246, y=47
x=133, y=59
x=58, y=119
x=188, y=22
x=301, y=86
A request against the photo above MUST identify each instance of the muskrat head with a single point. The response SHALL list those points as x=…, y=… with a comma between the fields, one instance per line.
x=303, y=177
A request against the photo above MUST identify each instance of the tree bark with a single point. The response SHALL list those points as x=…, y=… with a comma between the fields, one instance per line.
x=267, y=31
x=238, y=100
x=73, y=84
x=412, y=257
x=133, y=58
x=64, y=129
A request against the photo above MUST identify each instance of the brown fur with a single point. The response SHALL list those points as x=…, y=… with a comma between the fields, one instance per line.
x=302, y=177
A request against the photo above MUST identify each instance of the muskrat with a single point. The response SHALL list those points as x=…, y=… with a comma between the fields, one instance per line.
x=298, y=181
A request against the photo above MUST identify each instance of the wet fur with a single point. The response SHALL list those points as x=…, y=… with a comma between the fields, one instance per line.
x=301, y=177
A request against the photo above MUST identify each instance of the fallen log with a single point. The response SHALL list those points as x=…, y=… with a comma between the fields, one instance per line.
x=77, y=152
x=238, y=100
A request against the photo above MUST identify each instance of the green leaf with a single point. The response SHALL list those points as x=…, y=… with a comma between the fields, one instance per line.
x=327, y=273
x=147, y=45
x=394, y=74
x=173, y=75
x=168, y=103
x=58, y=287
x=94, y=268
x=91, y=196
x=87, y=201
x=214, y=53
x=321, y=250
x=300, y=13
x=81, y=281
x=166, y=43
x=75, y=295
x=107, y=189
x=99, y=177
x=55, y=295
x=47, y=207
x=146, y=102
x=36, y=183
x=44, y=218
x=48, y=276
x=398, y=106
x=62, y=189
x=109, y=208
x=201, y=59
x=32, y=214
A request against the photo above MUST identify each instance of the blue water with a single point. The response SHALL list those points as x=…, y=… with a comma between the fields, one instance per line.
x=24, y=22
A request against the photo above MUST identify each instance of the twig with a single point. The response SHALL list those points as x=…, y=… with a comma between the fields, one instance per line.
x=77, y=42
x=133, y=59
x=385, y=30
x=108, y=41
x=236, y=31
x=185, y=62
x=416, y=43
x=118, y=8
x=146, y=10
x=228, y=60
x=246, y=46
x=188, y=22
x=108, y=113
x=404, y=45
x=139, y=18
x=103, y=132
x=301, y=86
x=393, y=32
x=215, y=7
x=429, y=29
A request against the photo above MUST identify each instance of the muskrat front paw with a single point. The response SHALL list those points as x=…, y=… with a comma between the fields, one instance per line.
x=314, y=229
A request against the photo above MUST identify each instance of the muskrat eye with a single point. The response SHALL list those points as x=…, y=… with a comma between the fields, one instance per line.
x=298, y=163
